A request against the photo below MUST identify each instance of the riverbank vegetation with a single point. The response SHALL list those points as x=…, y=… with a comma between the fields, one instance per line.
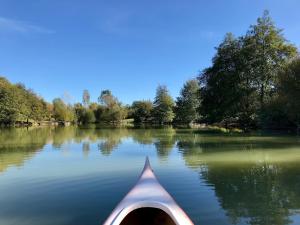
x=253, y=82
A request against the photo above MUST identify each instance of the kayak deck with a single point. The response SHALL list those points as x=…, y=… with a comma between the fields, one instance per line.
x=148, y=195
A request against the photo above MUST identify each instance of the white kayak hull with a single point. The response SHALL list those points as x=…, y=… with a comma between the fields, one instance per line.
x=148, y=193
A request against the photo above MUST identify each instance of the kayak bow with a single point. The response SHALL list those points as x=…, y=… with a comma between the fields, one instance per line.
x=148, y=194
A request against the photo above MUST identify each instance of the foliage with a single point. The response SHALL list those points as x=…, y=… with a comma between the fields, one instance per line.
x=163, y=106
x=112, y=110
x=63, y=112
x=79, y=110
x=243, y=77
x=188, y=103
x=289, y=91
x=141, y=111
x=268, y=52
x=88, y=116
x=8, y=104
x=85, y=115
x=223, y=92
x=18, y=104
x=99, y=113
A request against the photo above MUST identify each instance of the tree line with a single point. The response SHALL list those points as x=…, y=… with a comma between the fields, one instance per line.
x=21, y=105
x=253, y=82
x=108, y=109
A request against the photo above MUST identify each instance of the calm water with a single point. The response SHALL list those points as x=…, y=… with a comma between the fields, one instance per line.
x=63, y=176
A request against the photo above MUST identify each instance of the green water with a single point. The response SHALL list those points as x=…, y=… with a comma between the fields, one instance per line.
x=63, y=176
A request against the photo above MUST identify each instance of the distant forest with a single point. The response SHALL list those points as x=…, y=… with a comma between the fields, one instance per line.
x=253, y=83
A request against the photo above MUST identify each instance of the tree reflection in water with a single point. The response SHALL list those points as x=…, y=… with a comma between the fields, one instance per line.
x=19, y=145
x=256, y=183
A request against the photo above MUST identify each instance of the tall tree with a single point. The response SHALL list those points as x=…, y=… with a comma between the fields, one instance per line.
x=86, y=98
x=188, y=103
x=163, y=106
x=220, y=83
x=269, y=52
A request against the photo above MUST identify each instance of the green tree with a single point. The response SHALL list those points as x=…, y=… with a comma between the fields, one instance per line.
x=33, y=107
x=93, y=106
x=79, y=110
x=18, y=104
x=141, y=111
x=88, y=116
x=99, y=113
x=62, y=112
x=8, y=104
x=289, y=91
x=188, y=103
x=268, y=53
x=112, y=110
x=163, y=106
x=222, y=89
x=85, y=115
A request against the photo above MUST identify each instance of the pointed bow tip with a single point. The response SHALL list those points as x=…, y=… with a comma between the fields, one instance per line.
x=147, y=163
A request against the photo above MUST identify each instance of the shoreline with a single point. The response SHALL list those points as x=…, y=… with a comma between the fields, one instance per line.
x=209, y=128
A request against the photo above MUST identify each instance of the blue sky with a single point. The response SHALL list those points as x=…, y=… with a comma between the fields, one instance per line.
x=61, y=47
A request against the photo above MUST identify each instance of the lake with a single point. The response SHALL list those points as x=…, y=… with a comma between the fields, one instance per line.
x=71, y=175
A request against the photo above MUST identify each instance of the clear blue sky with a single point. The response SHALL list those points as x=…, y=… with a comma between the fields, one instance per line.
x=128, y=46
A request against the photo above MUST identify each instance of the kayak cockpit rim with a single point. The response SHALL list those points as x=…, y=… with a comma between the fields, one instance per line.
x=155, y=205
x=145, y=215
x=148, y=193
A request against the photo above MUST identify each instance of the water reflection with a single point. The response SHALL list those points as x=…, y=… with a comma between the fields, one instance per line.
x=19, y=145
x=256, y=183
x=86, y=148
x=164, y=141
x=261, y=194
x=255, y=179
